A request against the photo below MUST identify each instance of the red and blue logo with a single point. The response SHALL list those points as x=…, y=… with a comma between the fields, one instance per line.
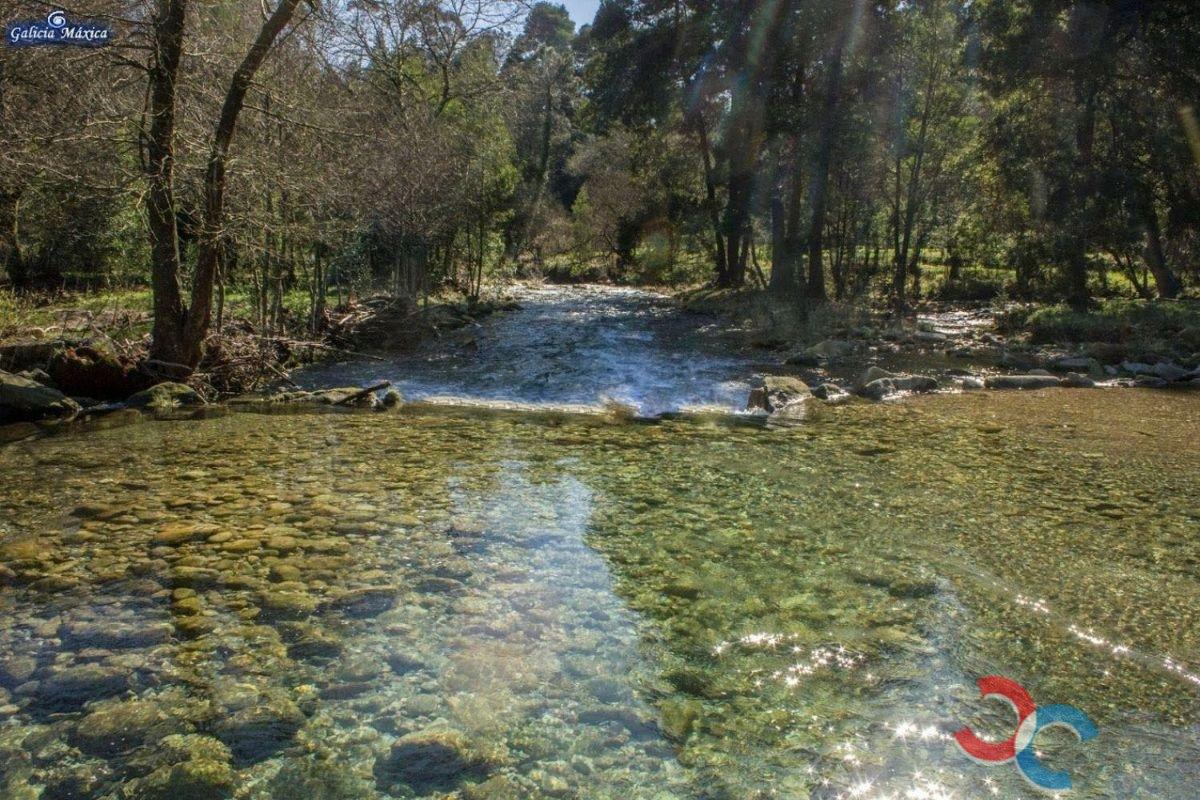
x=1031, y=719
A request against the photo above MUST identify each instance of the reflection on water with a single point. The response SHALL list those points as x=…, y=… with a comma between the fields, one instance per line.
x=449, y=605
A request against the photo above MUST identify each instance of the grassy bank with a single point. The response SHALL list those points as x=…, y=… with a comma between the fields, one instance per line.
x=1160, y=326
x=115, y=313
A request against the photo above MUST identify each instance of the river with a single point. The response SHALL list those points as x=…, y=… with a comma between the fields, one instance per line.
x=459, y=602
x=572, y=346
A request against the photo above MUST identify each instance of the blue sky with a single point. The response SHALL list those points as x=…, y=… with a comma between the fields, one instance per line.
x=582, y=11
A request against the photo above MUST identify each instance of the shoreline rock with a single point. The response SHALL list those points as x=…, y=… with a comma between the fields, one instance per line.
x=24, y=400
x=877, y=383
x=778, y=393
x=1021, y=382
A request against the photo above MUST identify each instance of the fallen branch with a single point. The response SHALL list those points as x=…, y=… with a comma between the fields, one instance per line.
x=361, y=393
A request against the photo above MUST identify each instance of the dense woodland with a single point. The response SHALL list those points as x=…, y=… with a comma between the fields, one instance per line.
x=882, y=150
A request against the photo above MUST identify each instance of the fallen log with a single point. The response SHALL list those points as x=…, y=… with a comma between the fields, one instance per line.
x=360, y=394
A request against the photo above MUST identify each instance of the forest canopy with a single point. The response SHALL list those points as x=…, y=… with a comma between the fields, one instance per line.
x=884, y=150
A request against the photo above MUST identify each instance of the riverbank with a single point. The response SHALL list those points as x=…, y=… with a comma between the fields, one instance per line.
x=630, y=353
x=87, y=357
x=943, y=346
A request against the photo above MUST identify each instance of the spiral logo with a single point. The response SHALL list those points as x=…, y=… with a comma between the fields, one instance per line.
x=57, y=19
x=1018, y=748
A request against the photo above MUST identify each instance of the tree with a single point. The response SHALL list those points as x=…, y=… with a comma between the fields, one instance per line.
x=1061, y=70
x=179, y=329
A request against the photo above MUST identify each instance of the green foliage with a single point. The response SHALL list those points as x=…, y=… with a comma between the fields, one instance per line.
x=974, y=286
x=1119, y=322
x=1033, y=144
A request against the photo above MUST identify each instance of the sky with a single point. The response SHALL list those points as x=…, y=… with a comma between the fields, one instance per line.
x=582, y=11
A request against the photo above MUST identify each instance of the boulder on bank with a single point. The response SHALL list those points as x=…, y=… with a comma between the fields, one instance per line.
x=1078, y=364
x=929, y=337
x=392, y=399
x=873, y=373
x=1136, y=368
x=776, y=393
x=23, y=400
x=831, y=393
x=20, y=356
x=877, y=383
x=1171, y=372
x=1022, y=361
x=1022, y=382
x=164, y=396
x=1077, y=380
x=831, y=349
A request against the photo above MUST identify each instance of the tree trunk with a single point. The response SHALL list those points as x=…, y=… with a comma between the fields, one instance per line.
x=818, y=186
x=781, y=279
x=912, y=196
x=12, y=260
x=170, y=315
x=710, y=192
x=1126, y=265
x=1165, y=281
x=1079, y=217
x=736, y=217
x=914, y=264
x=200, y=315
x=543, y=172
x=787, y=261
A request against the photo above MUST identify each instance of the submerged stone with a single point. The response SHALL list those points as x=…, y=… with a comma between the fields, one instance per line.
x=679, y=717
x=281, y=604
x=197, y=779
x=498, y=787
x=321, y=779
x=260, y=730
x=16, y=669
x=114, y=635
x=178, y=533
x=432, y=760
x=71, y=687
x=117, y=726
x=363, y=603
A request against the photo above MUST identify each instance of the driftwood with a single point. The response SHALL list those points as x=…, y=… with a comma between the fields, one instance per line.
x=361, y=393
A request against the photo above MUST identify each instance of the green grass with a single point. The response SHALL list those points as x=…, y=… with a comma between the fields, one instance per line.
x=117, y=313
x=16, y=313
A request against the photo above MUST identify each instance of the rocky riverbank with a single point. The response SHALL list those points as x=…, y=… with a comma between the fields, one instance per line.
x=606, y=349
x=827, y=366
x=46, y=385
x=879, y=357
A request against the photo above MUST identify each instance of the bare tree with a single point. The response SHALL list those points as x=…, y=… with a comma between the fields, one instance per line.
x=179, y=329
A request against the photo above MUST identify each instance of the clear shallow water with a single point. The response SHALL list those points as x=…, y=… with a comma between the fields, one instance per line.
x=570, y=345
x=457, y=605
